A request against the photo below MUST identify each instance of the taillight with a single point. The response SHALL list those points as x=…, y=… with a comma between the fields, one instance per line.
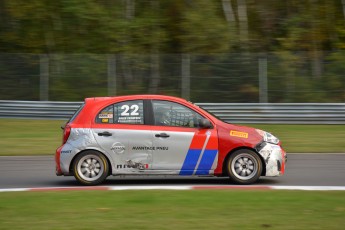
x=66, y=133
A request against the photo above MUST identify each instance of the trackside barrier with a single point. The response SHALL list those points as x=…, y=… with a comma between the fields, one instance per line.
x=265, y=113
x=38, y=109
x=279, y=113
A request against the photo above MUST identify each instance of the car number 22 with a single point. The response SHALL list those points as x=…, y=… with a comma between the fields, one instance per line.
x=134, y=110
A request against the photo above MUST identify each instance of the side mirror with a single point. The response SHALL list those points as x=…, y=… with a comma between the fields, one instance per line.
x=205, y=124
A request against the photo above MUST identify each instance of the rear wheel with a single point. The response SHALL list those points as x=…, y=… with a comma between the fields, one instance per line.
x=90, y=168
x=244, y=166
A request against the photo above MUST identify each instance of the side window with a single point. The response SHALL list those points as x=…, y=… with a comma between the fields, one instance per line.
x=106, y=115
x=168, y=113
x=127, y=112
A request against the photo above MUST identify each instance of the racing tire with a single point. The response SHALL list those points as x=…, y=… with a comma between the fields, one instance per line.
x=90, y=168
x=244, y=166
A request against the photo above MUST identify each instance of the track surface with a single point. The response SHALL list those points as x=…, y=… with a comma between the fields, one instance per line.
x=302, y=169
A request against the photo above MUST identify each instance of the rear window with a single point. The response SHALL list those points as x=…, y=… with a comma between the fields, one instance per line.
x=76, y=113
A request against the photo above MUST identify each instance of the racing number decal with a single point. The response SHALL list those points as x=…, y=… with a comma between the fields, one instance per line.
x=126, y=108
x=130, y=112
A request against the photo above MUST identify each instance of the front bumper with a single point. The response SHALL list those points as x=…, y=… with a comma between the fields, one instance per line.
x=275, y=158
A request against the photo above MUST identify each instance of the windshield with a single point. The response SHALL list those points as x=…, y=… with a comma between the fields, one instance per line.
x=208, y=112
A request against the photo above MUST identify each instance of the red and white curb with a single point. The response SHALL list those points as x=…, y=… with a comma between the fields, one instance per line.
x=184, y=187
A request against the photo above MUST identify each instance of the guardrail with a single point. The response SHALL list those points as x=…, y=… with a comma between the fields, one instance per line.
x=38, y=109
x=279, y=113
x=267, y=113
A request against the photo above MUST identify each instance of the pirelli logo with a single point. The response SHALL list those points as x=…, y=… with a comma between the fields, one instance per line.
x=238, y=134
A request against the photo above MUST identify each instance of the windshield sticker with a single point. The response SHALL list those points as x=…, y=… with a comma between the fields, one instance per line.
x=106, y=115
x=132, y=120
x=238, y=134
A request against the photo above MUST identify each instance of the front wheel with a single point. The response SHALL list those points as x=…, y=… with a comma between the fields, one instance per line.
x=244, y=166
x=90, y=168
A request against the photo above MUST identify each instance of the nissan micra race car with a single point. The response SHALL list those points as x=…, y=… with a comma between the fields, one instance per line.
x=162, y=135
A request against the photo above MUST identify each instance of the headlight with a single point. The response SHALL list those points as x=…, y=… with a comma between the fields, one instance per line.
x=268, y=137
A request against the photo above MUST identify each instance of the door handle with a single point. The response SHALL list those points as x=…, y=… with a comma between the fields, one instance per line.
x=163, y=135
x=105, y=134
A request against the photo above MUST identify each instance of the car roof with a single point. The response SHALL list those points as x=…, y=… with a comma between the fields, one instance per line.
x=94, y=104
x=134, y=97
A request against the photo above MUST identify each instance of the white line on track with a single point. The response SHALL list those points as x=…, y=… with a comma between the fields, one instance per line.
x=116, y=188
x=13, y=190
x=310, y=188
x=184, y=187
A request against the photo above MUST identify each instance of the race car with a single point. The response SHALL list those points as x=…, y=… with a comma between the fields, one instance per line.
x=162, y=135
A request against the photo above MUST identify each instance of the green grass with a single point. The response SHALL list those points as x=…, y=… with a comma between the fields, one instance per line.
x=42, y=137
x=309, y=138
x=216, y=209
x=29, y=137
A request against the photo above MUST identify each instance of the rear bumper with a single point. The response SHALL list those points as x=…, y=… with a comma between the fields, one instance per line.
x=58, y=171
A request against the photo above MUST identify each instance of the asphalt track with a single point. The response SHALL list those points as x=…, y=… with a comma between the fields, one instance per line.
x=302, y=170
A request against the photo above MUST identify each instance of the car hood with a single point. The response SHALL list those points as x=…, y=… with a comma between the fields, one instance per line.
x=246, y=135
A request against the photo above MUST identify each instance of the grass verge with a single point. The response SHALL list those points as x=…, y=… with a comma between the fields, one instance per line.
x=235, y=209
x=29, y=137
x=309, y=138
x=42, y=137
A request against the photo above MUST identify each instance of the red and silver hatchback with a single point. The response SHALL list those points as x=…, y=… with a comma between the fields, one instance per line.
x=162, y=135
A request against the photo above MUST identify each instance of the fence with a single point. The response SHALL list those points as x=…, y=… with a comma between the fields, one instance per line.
x=269, y=113
x=284, y=77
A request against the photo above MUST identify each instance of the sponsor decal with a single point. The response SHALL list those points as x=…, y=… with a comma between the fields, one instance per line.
x=130, y=114
x=105, y=120
x=132, y=110
x=162, y=148
x=132, y=164
x=66, y=151
x=238, y=134
x=118, y=148
x=150, y=148
x=136, y=120
x=106, y=115
x=129, y=118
